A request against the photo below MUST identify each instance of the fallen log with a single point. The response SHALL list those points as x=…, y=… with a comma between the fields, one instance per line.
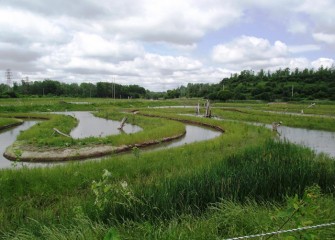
x=59, y=132
x=122, y=123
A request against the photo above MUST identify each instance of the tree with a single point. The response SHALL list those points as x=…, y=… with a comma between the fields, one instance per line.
x=224, y=95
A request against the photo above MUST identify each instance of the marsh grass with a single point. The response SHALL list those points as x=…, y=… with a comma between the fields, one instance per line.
x=233, y=185
x=43, y=193
x=43, y=135
x=4, y=122
x=251, y=115
x=309, y=122
x=321, y=107
x=246, y=186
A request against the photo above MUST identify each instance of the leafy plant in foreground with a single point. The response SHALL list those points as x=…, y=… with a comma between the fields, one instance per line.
x=108, y=194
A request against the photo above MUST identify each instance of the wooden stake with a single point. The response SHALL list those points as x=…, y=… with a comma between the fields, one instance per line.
x=208, y=110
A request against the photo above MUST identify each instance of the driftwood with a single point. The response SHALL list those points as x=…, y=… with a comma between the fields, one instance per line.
x=59, y=132
x=311, y=105
x=122, y=123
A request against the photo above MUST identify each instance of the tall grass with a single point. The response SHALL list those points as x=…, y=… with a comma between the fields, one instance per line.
x=43, y=193
x=265, y=173
x=258, y=175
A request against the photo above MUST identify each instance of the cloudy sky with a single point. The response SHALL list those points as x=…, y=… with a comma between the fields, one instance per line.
x=162, y=44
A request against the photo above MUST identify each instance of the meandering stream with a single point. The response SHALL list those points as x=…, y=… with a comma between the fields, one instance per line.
x=89, y=125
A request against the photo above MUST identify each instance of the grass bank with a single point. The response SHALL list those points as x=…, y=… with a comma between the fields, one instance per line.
x=40, y=143
x=8, y=123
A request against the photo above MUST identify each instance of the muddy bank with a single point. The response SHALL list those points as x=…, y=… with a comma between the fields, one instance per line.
x=25, y=153
x=11, y=125
x=18, y=152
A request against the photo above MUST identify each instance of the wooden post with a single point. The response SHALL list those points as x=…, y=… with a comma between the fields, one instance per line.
x=197, y=109
x=208, y=110
x=122, y=123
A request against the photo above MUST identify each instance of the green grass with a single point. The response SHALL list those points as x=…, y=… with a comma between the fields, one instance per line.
x=321, y=107
x=237, y=184
x=250, y=115
x=5, y=122
x=57, y=190
x=42, y=134
x=170, y=193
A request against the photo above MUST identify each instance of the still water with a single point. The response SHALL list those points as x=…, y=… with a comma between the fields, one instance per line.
x=91, y=126
x=7, y=137
x=319, y=141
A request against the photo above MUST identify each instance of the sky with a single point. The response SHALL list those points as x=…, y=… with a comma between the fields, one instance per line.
x=162, y=44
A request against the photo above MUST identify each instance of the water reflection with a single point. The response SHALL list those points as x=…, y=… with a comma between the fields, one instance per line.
x=319, y=141
x=92, y=126
x=193, y=134
x=7, y=137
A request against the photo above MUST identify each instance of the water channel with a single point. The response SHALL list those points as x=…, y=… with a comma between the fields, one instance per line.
x=8, y=136
x=89, y=125
x=319, y=141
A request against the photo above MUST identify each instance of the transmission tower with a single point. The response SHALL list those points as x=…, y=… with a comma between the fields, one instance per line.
x=9, y=77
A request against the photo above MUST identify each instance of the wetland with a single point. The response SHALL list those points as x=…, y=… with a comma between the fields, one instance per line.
x=196, y=190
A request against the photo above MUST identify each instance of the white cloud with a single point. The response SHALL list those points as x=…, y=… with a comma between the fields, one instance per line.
x=248, y=49
x=25, y=27
x=300, y=63
x=324, y=37
x=325, y=62
x=304, y=48
x=174, y=21
x=92, y=45
x=248, y=52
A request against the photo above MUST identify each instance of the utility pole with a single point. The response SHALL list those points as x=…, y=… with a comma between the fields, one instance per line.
x=9, y=77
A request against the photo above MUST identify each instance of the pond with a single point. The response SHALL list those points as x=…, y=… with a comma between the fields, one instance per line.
x=91, y=126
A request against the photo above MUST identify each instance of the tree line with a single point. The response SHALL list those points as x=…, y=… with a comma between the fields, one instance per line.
x=51, y=88
x=282, y=84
